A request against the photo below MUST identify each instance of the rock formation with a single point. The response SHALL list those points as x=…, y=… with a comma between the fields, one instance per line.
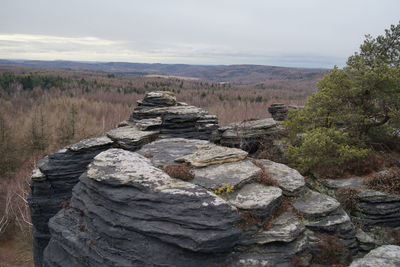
x=125, y=211
x=279, y=111
x=160, y=111
x=107, y=201
x=246, y=135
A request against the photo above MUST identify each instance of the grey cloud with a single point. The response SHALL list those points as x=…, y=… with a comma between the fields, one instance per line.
x=309, y=33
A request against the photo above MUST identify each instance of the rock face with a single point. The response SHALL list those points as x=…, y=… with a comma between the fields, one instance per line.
x=125, y=211
x=122, y=199
x=52, y=182
x=246, y=135
x=388, y=256
x=278, y=111
x=160, y=111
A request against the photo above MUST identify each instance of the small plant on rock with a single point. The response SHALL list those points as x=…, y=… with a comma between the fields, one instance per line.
x=179, y=171
x=225, y=189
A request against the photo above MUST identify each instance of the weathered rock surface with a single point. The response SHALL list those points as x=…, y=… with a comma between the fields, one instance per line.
x=384, y=256
x=314, y=204
x=234, y=174
x=122, y=199
x=164, y=152
x=278, y=111
x=131, y=138
x=212, y=154
x=261, y=200
x=158, y=98
x=246, y=135
x=177, y=119
x=289, y=180
x=286, y=228
x=52, y=183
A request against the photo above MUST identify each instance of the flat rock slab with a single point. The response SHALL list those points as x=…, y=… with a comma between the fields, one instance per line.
x=384, y=256
x=159, y=98
x=314, y=204
x=181, y=113
x=289, y=180
x=334, y=222
x=131, y=138
x=258, y=198
x=355, y=182
x=91, y=143
x=374, y=196
x=164, y=152
x=212, y=154
x=148, y=124
x=285, y=228
x=247, y=129
x=229, y=174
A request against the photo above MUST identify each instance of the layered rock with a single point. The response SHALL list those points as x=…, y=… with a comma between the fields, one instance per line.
x=160, y=111
x=52, y=182
x=324, y=214
x=131, y=138
x=246, y=135
x=126, y=212
x=374, y=208
x=278, y=111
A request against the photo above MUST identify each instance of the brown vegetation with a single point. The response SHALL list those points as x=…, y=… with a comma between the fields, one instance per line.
x=330, y=250
x=179, y=171
x=348, y=198
x=386, y=181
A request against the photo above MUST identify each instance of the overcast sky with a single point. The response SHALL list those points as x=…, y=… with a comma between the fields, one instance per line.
x=299, y=33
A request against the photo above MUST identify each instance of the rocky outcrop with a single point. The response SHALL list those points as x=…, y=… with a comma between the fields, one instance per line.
x=126, y=212
x=278, y=111
x=52, y=182
x=160, y=111
x=246, y=135
x=387, y=256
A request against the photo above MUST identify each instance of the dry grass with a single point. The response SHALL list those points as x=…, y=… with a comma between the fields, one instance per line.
x=348, y=198
x=330, y=250
x=387, y=181
x=179, y=171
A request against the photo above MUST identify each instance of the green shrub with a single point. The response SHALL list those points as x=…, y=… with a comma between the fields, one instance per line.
x=325, y=148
